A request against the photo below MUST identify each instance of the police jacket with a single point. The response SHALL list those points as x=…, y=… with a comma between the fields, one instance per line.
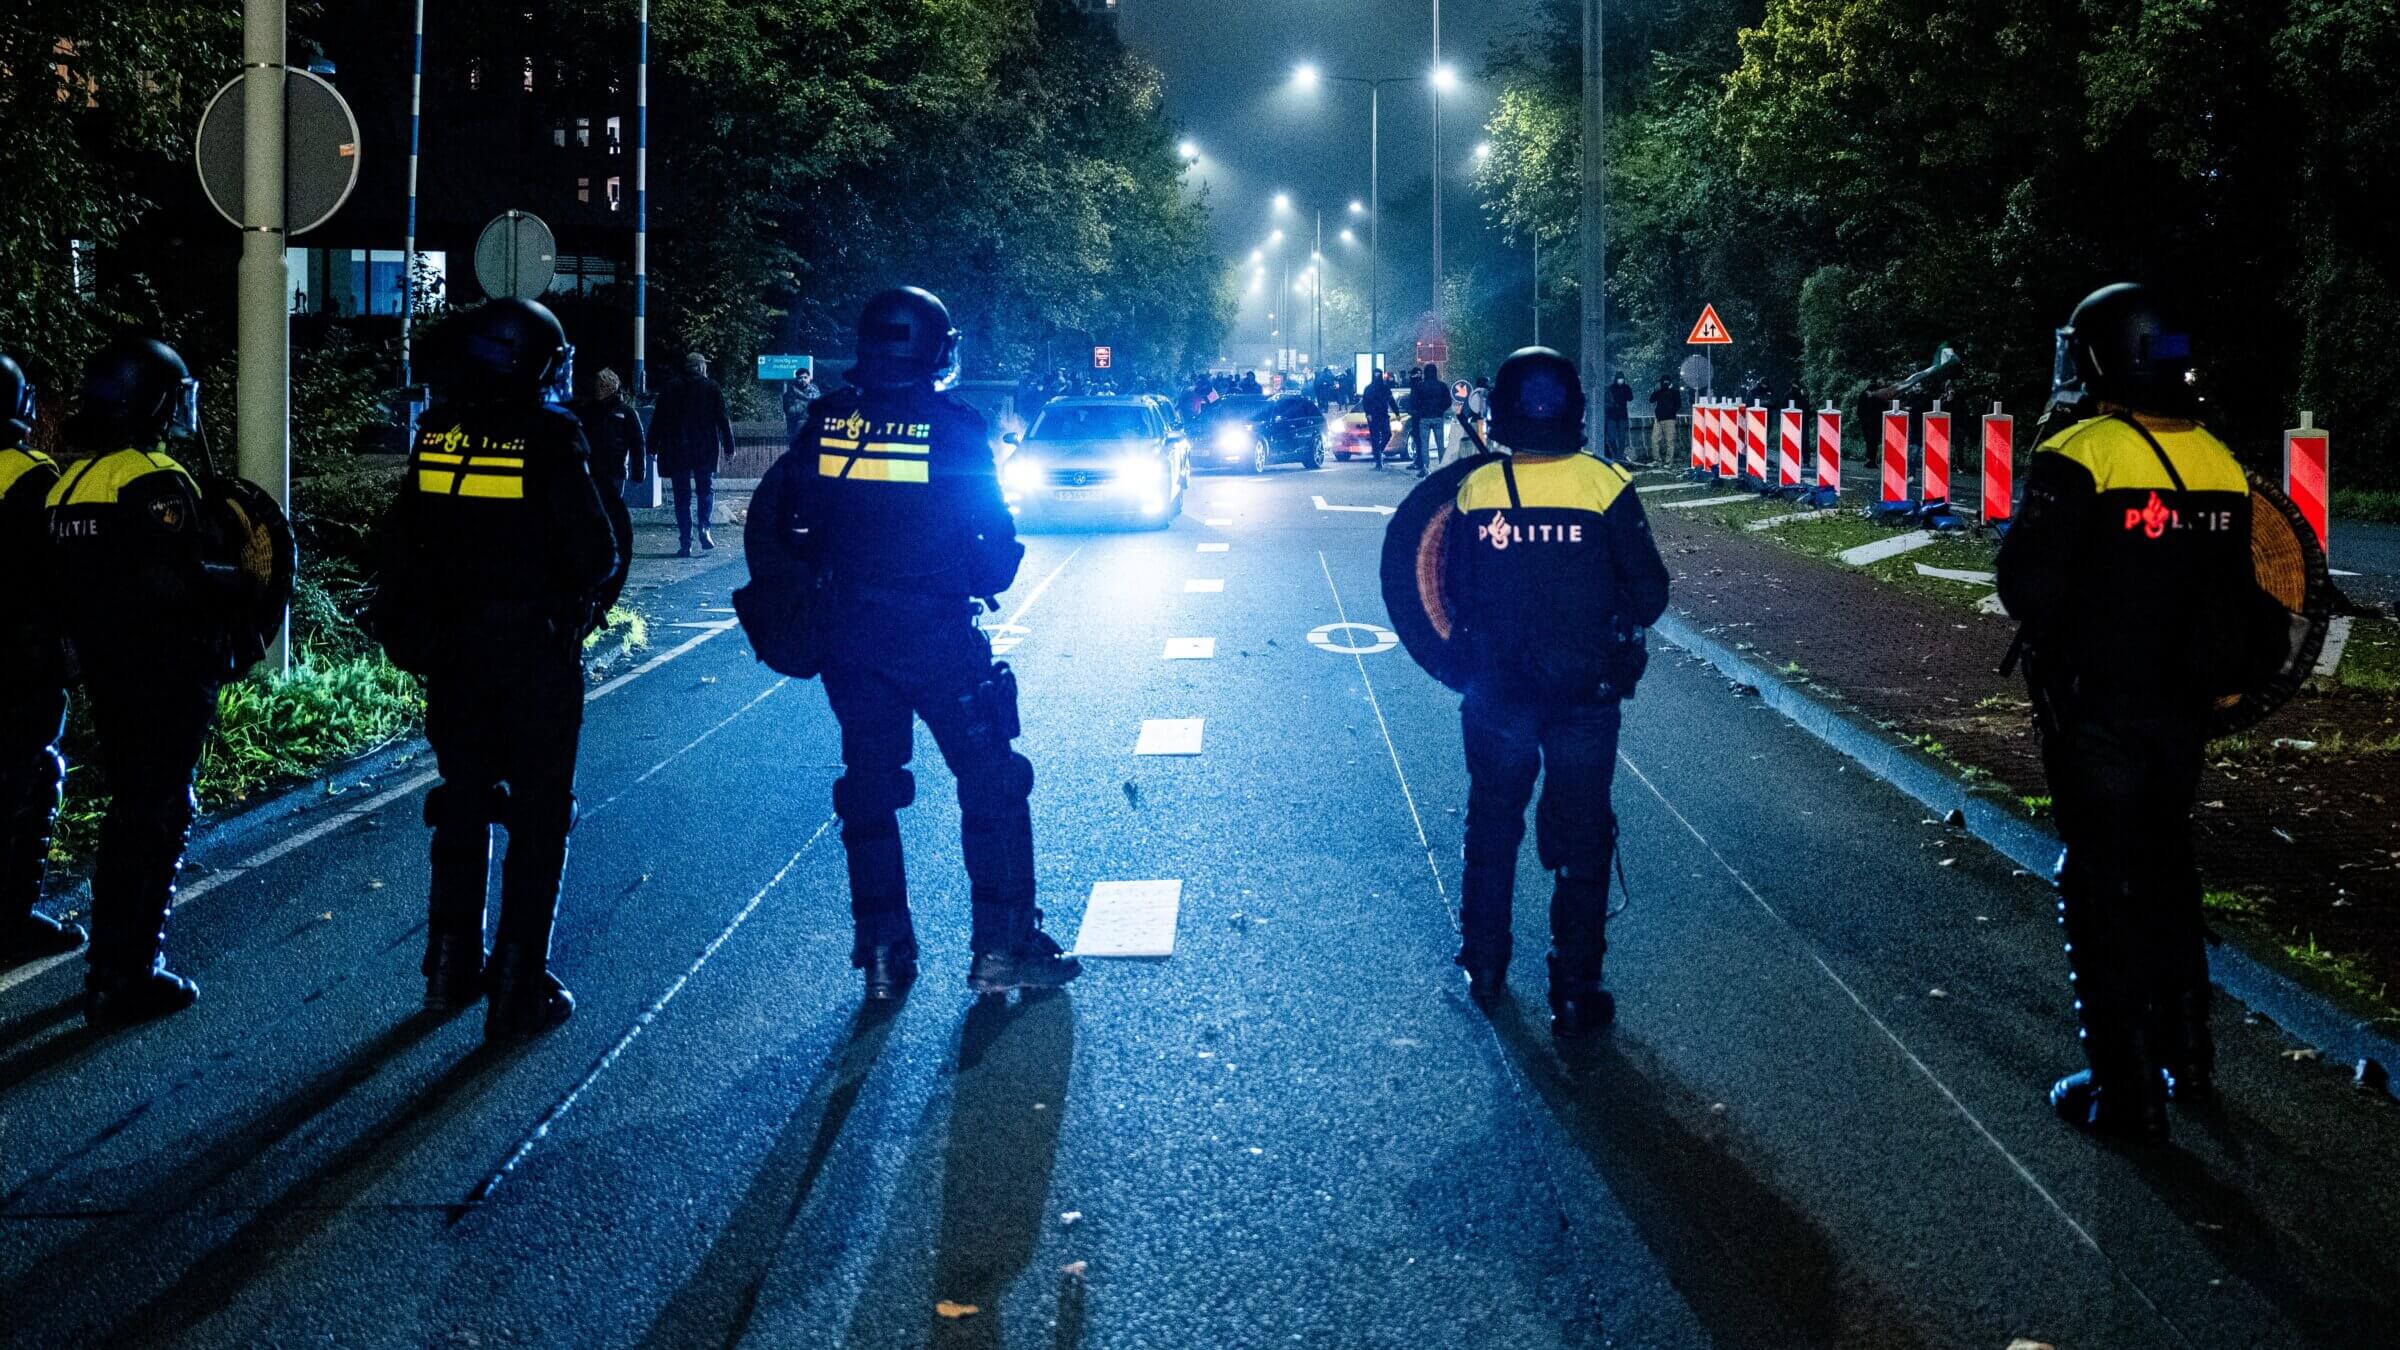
x=1556, y=570
x=900, y=496
x=129, y=564
x=496, y=537
x=26, y=477
x=614, y=432
x=2129, y=567
x=689, y=431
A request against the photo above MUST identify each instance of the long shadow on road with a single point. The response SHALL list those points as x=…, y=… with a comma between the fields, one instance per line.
x=716, y=1305
x=1752, y=1267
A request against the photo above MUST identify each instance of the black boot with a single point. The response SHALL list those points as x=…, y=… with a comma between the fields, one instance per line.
x=1031, y=962
x=524, y=998
x=461, y=865
x=1578, y=1005
x=453, y=970
x=2187, y=1050
x=118, y=997
x=2122, y=1095
x=708, y=542
x=1487, y=975
x=35, y=936
x=890, y=969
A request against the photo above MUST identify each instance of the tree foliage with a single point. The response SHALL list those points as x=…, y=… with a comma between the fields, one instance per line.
x=1853, y=181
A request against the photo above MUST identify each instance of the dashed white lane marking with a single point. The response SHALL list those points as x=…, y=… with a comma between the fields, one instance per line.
x=1204, y=585
x=1169, y=736
x=707, y=625
x=2023, y=1172
x=1352, y=639
x=201, y=886
x=1706, y=501
x=1215, y=548
x=1130, y=918
x=1218, y=522
x=483, y=1189
x=1415, y=817
x=1189, y=649
x=1887, y=548
x=1323, y=505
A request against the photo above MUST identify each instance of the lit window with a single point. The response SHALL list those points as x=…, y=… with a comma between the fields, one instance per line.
x=528, y=74
x=475, y=73
x=616, y=136
x=616, y=194
x=583, y=189
x=583, y=132
x=558, y=136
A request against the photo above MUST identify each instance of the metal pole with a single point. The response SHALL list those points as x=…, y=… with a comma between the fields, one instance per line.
x=641, y=226
x=408, y=246
x=262, y=385
x=1439, y=330
x=1375, y=226
x=1595, y=226
x=1537, y=286
x=1316, y=293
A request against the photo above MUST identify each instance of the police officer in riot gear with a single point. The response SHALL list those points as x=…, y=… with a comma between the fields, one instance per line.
x=904, y=517
x=495, y=554
x=2129, y=570
x=149, y=616
x=1557, y=575
x=33, y=685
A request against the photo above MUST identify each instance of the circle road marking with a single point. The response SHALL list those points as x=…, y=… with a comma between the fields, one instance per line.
x=1324, y=637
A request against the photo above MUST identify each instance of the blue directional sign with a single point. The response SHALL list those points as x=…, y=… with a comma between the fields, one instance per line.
x=775, y=369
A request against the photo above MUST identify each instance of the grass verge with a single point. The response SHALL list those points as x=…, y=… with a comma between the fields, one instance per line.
x=2367, y=504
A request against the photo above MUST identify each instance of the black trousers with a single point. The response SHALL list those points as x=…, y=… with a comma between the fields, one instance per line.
x=1379, y=435
x=504, y=729
x=33, y=715
x=2129, y=893
x=895, y=666
x=151, y=730
x=1572, y=749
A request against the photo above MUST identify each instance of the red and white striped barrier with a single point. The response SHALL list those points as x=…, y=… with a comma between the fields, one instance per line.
x=1999, y=440
x=1895, y=457
x=1829, y=452
x=1755, y=418
x=1699, y=445
x=1725, y=436
x=1935, y=434
x=2307, y=472
x=1787, y=465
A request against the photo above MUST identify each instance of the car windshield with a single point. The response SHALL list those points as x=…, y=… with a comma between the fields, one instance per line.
x=1090, y=423
x=1235, y=407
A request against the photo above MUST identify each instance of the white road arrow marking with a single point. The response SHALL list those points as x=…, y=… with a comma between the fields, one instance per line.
x=1322, y=505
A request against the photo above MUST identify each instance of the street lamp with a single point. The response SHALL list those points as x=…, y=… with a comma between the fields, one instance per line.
x=1283, y=202
x=1188, y=150
x=1483, y=150
x=1307, y=76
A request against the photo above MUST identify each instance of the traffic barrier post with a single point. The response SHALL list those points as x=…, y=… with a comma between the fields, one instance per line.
x=2307, y=473
x=1894, y=498
x=1729, y=455
x=1755, y=464
x=1829, y=457
x=1999, y=438
x=1699, y=464
x=1787, y=465
x=1935, y=434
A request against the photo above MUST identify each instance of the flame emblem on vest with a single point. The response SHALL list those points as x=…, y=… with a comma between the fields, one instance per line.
x=1499, y=532
x=855, y=427
x=2152, y=520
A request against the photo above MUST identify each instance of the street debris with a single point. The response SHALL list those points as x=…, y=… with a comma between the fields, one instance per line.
x=1075, y=1269
x=954, y=1311
x=2298, y=1056
x=1937, y=993
x=1071, y=1218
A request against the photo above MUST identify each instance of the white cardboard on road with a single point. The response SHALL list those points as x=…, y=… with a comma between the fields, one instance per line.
x=1215, y=548
x=1887, y=548
x=1189, y=649
x=1203, y=585
x=1972, y=578
x=1670, y=487
x=1707, y=501
x=1218, y=522
x=1322, y=505
x=1169, y=736
x=1788, y=518
x=1130, y=918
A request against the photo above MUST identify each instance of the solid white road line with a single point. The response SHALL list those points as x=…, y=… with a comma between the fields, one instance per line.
x=1027, y=602
x=483, y=1189
x=688, y=747
x=1322, y=505
x=1169, y=736
x=1189, y=649
x=1129, y=918
x=1415, y=818
x=1204, y=586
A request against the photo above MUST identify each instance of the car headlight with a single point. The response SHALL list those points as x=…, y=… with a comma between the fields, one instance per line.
x=1021, y=474
x=1233, y=438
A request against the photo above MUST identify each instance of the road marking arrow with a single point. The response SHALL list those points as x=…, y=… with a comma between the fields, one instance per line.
x=1322, y=505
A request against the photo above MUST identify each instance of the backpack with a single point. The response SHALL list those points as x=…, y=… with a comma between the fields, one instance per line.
x=783, y=608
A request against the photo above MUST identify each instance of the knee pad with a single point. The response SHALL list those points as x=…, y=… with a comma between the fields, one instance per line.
x=1001, y=787
x=862, y=796
x=540, y=814
x=465, y=805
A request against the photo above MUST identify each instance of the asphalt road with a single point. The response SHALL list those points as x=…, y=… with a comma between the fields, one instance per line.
x=2366, y=557
x=1819, y=1121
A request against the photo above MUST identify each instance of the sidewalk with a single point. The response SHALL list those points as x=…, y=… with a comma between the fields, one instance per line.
x=2296, y=822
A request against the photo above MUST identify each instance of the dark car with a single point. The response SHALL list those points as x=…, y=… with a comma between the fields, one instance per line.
x=1121, y=459
x=1250, y=432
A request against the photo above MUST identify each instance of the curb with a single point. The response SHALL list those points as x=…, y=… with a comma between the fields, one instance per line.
x=2307, y=1015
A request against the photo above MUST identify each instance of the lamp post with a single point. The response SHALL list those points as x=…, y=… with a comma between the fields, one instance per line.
x=1307, y=76
x=1595, y=226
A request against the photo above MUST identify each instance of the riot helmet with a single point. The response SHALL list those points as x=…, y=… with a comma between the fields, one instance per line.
x=512, y=346
x=905, y=338
x=1537, y=403
x=2129, y=345
x=136, y=391
x=17, y=411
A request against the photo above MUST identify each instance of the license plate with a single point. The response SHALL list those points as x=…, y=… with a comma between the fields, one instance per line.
x=1076, y=494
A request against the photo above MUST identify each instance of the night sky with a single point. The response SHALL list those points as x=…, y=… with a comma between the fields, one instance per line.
x=1229, y=84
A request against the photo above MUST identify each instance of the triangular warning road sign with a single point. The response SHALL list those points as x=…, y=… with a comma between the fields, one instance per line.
x=1710, y=331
